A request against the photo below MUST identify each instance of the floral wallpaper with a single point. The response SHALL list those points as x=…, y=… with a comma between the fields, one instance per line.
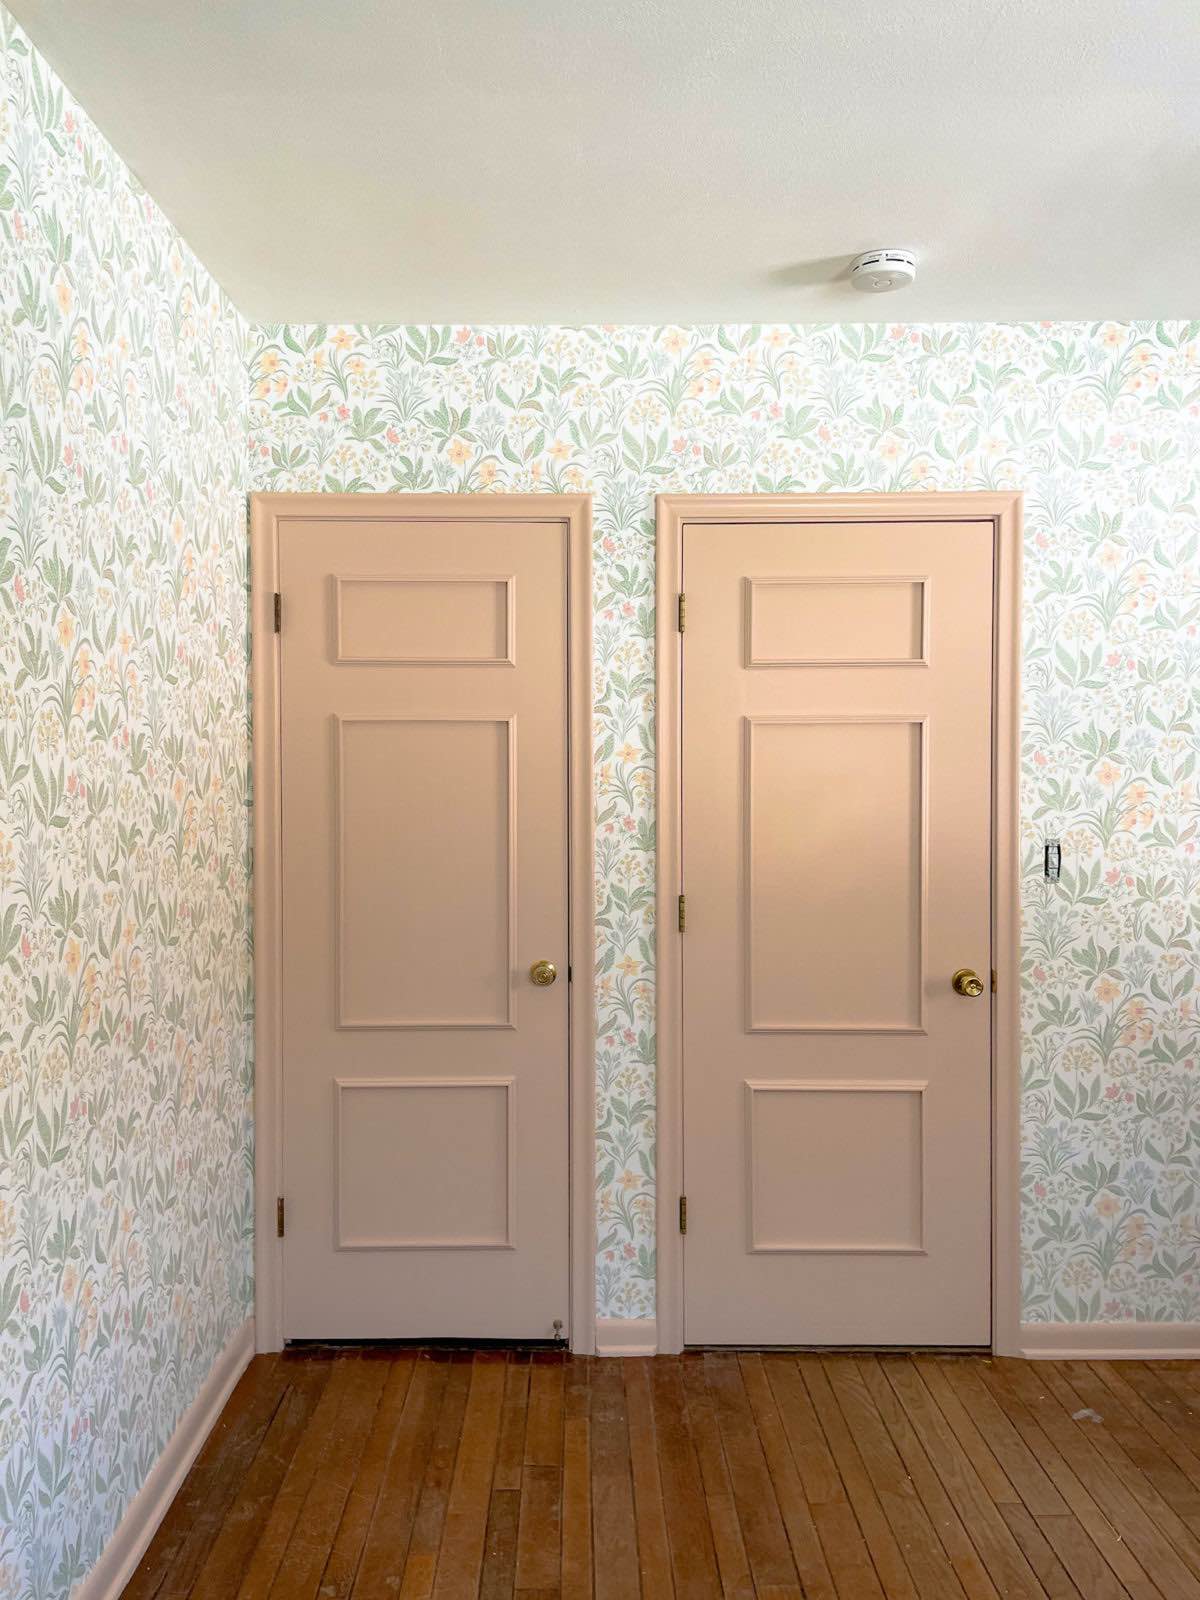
x=1099, y=424
x=125, y=1075
x=125, y=1197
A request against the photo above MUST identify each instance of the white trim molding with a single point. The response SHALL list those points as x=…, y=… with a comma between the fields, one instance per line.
x=132, y=1535
x=1110, y=1341
x=574, y=513
x=625, y=1336
x=1003, y=511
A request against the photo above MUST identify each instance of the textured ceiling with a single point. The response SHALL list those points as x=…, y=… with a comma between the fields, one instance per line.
x=645, y=162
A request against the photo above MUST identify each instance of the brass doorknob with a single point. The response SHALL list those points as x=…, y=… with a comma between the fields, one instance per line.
x=967, y=983
x=543, y=973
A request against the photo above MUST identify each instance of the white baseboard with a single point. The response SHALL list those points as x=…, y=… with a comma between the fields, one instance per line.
x=1110, y=1341
x=149, y=1505
x=623, y=1336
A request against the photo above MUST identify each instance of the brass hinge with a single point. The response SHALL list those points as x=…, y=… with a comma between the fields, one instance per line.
x=278, y=613
x=279, y=1218
x=682, y=612
x=683, y=1213
x=993, y=980
x=683, y=913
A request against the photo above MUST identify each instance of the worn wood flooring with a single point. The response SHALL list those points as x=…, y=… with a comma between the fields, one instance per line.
x=404, y=1474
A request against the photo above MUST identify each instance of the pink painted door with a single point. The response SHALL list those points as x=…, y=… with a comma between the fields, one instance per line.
x=424, y=803
x=836, y=862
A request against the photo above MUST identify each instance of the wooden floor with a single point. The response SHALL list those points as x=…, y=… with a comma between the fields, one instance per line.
x=402, y=1473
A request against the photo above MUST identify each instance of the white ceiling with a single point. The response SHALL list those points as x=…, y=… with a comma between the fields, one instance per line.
x=658, y=160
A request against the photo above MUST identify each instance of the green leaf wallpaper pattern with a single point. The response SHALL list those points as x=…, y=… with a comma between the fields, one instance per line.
x=125, y=1196
x=1099, y=424
x=125, y=1074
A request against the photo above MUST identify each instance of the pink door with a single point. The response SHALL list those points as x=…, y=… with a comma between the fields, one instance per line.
x=424, y=873
x=836, y=862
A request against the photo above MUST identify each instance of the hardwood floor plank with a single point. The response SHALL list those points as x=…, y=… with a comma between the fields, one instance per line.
x=1051, y=1574
x=995, y=1482
x=186, y=1533
x=956, y=1541
x=510, y=1453
x=1176, y=1413
x=1016, y=1460
x=849, y=1558
x=614, y=1528
x=1164, y=1545
x=543, y=1426
x=302, y=1471
x=243, y=1525
x=1079, y=1554
x=1110, y=1375
x=810, y=1449
x=498, y=1578
x=693, y=1558
x=1084, y=1509
x=429, y=1521
x=460, y=1559
x=989, y=1532
x=312, y=1538
x=807, y=1554
x=337, y=1580
x=385, y=1550
x=577, y=1482
x=924, y=1556
x=842, y=1542
x=1184, y=1378
x=763, y=1532
x=1087, y=1391
x=539, y=1531
x=885, y=1552
x=733, y=1565
x=654, y=1554
x=403, y=1473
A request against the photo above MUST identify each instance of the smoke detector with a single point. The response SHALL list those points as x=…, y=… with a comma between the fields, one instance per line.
x=880, y=270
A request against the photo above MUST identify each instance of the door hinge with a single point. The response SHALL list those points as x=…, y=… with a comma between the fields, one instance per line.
x=279, y=1217
x=993, y=980
x=682, y=612
x=683, y=913
x=278, y=613
x=683, y=1213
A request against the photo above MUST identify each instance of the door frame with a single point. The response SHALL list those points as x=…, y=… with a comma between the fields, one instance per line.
x=574, y=513
x=1003, y=511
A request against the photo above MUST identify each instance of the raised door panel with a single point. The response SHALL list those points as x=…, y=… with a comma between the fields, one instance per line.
x=807, y=1193
x=839, y=621
x=820, y=846
x=426, y=819
x=426, y=1163
x=412, y=619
